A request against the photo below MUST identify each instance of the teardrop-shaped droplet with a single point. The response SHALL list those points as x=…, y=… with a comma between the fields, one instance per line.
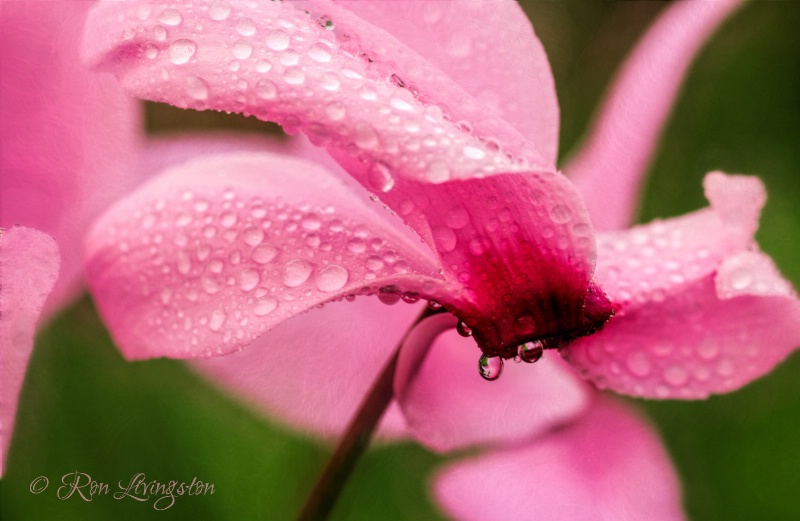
x=433, y=305
x=380, y=177
x=490, y=368
x=530, y=352
x=463, y=329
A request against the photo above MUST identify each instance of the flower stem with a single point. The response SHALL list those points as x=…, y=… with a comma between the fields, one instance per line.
x=355, y=440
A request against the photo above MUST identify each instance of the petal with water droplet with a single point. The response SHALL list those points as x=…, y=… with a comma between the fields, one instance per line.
x=698, y=312
x=448, y=406
x=609, y=465
x=30, y=263
x=231, y=288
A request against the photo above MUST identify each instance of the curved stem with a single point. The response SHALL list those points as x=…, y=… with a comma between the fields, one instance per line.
x=356, y=439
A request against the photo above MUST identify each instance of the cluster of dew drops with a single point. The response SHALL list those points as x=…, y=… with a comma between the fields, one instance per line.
x=491, y=367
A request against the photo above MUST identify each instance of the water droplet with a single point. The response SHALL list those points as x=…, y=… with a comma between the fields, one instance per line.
x=242, y=50
x=380, y=177
x=331, y=278
x=639, y=364
x=249, y=279
x=294, y=76
x=330, y=81
x=463, y=329
x=169, y=17
x=265, y=89
x=457, y=217
x=217, y=319
x=196, y=88
x=490, y=368
x=365, y=136
x=228, y=219
x=356, y=245
x=253, y=236
x=264, y=253
x=246, y=27
x=560, y=214
x=445, y=239
x=708, y=349
x=434, y=305
x=400, y=104
x=410, y=297
x=438, y=172
x=296, y=272
x=277, y=40
x=472, y=152
x=209, y=285
x=530, y=352
x=374, y=263
x=159, y=33
x=319, y=52
x=265, y=306
x=219, y=11
x=181, y=51
x=335, y=111
x=676, y=375
x=151, y=51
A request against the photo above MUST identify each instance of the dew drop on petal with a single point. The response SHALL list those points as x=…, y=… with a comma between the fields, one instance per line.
x=265, y=306
x=217, y=319
x=560, y=214
x=169, y=17
x=463, y=329
x=331, y=278
x=242, y=50
x=638, y=363
x=490, y=368
x=380, y=177
x=434, y=305
x=264, y=253
x=181, y=51
x=253, y=236
x=277, y=40
x=296, y=272
x=457, y=217
x=266, y=89
x=246, y=27
x=196, y=88
x=219, y=11
x=319, y=52
x=530, y=352
x=248, y=280
x=445, y=239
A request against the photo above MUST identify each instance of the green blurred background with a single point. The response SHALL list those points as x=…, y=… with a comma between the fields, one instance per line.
x=83, y=408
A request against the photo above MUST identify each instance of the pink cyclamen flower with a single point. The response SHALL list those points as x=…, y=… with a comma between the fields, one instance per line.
x=212, y=255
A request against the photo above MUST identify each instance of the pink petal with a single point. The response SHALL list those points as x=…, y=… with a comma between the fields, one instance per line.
x=205, y=258
x=453, y=41
x=609, y=466
x=67, y=134
x=610, y=165
x=30, y=263
x=698, y=313
x=288, y=68
x=327, y=362
x=448, y=406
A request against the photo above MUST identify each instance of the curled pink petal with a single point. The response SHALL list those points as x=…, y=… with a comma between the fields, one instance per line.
x=29, y=263
x=699, y=311
x=450, y=42
x=208, y=256
x=609, y=466
x=67, y=133
x=290, y=69
x=448, y=407
x=313, y=370
x=609, y=166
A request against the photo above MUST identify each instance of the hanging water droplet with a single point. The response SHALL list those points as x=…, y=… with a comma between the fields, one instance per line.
x=530, y=352
x=380, y=177
x=410, y=297
x=433, y=305
x=463, y=329
x=490, y=368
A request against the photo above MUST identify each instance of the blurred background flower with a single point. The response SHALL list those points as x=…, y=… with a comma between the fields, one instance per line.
x=84, y=408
